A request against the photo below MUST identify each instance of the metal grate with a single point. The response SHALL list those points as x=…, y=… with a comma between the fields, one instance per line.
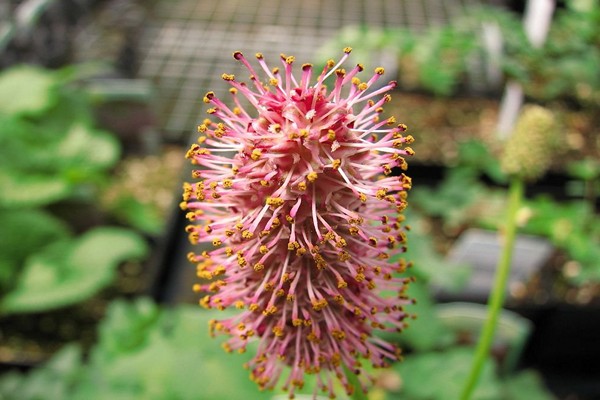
x=186, y=45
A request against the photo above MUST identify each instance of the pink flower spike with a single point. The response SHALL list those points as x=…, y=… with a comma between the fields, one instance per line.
x=298, y=211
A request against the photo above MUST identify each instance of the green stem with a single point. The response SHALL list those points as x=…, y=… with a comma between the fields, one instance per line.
x=496, y=299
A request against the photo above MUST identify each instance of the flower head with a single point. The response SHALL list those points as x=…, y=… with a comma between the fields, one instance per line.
x=296, y=198
x=535, y=141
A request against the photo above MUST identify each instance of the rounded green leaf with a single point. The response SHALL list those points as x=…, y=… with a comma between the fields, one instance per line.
x=21, y=190
x=71, y=271
x=26, y=90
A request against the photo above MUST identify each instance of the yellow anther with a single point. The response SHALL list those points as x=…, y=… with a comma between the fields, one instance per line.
x=205, y=302
x=259, y=267
x=256, y=153
x=318, y=305
x=274, y=201
x=277, y=331
x=312, y=337
x=312, y=176
x=338, y=335
x=270, y=310
x=217, y=242
x=208, y=97
x=239, y=304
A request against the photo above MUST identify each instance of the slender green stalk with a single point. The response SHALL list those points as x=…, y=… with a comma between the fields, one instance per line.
x=496, y=299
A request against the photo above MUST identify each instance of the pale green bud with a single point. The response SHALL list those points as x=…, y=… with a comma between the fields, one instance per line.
x=529, y=150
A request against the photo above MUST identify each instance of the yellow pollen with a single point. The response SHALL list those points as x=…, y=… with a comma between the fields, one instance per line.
x=277, y=331
x=337, y=334
x=256, y=153
x=275, y=201
x=228, y=77
x=208, y=97
x=270, y=310
x=312, y=176
x=259, y=267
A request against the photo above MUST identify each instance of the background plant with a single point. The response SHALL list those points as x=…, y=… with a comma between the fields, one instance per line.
x=53, y=163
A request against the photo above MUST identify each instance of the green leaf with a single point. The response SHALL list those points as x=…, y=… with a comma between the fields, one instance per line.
x=52, y=381
x=143, y=216
x=71, y=271
x=586, y=170
x=173, y=357
x=426, y=332
x=429, y=265
x=441, y=375
x=28, y=190
x=26, y=90
x=527, y=385
x=26, y=231
x=86, y=148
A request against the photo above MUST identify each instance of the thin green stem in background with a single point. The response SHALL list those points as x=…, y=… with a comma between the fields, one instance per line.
x=496, y=299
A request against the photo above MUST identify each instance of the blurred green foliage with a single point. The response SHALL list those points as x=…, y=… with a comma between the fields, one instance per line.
x=440, y=59
x=462, y=199
x=145, y=351
x=51, y=152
